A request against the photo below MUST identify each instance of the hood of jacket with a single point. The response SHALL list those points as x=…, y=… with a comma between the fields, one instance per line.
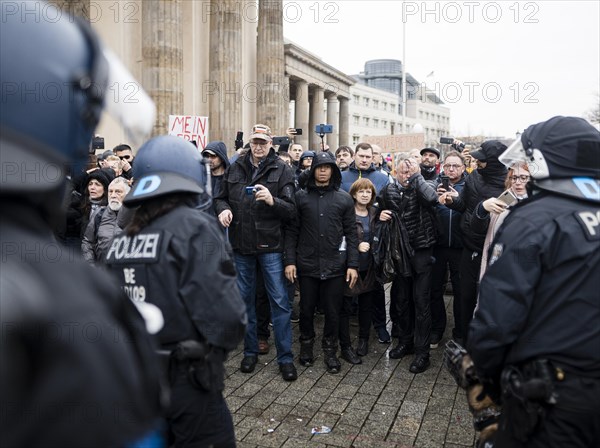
x=325, y=158
x=220, y=150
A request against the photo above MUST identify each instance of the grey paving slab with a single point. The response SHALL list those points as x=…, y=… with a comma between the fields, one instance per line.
x=376, y=404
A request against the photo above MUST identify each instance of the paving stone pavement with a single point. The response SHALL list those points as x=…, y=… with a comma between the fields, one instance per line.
x=376, y=404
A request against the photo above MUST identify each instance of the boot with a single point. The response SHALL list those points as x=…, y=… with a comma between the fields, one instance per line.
x=331, y=362
x=306, y=352
x=363, y=347
x=350, y=356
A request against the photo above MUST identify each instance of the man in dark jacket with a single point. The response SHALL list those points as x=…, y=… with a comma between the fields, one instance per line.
x=256, y=199
x=447, y=251
x=363, y=167
x=485, y=182
x=323, y=231
x=411, y=201
x=536, y=327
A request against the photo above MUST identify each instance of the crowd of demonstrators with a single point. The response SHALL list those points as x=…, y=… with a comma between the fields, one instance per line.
x=408, y=206
x=447, y=251
x=256, y=200
x=316, y=240
x=485, y=182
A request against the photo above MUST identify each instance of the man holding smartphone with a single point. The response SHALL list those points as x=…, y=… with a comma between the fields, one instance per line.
x=255, y=223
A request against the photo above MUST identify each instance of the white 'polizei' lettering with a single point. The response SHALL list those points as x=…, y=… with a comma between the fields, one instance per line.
x=140, y=246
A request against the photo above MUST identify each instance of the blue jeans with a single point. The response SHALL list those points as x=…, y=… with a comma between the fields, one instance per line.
x=271, y=265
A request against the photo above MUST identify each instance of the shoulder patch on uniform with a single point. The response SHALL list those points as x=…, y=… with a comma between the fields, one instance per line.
x=496, y=253
x=590, y=222
x=142, y=248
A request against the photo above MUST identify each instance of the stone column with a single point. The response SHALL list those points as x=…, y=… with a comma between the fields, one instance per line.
x=79, y=8
x=301, y=109
x=270, y=67
x=224, y=89
x=344, y=122
x=316, y=117
x=162, y=52
x=332, y=118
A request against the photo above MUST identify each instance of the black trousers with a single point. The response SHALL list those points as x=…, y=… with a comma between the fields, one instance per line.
x=446, y=258
x=331, y=294
x=470, y=264
x=415, y=327
x=364, y=316
x=197, y=418
x=378, y=309
x=573, y=422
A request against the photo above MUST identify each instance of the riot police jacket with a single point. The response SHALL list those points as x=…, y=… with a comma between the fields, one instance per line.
x=77, y=367
x=181, y=263
x=415, y=206
x=539, y=297
x=325, y=215
x=257, y=227
x=477, y=188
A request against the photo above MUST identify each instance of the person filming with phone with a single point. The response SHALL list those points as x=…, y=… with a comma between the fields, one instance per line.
x=487, y=181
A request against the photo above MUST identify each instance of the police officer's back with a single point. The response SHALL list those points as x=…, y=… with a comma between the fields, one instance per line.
x=536, y=334
x=76, y=365
x=174, y=256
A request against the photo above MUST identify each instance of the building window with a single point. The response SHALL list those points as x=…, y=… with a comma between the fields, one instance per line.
x=356, y=120
x=375, y=104
x=375, y=123
x=392, y=107
x=356, y=99
x=366, y=102
x=384, y=105
x=366, y=121
x=355, y=139
x=421, y=114
x=384, y=124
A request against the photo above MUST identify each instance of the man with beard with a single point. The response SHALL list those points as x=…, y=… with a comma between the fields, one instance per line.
x=343, y=157
x=430, y=158
x=109, y=221
x=485, y=182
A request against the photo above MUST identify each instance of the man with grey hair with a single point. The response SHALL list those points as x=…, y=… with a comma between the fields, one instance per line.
x=108, y=222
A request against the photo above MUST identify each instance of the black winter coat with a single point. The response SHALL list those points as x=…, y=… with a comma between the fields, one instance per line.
x=477, y=188
x=415, y=206
x=257, y=227
x=325, y=216
x=539, y=296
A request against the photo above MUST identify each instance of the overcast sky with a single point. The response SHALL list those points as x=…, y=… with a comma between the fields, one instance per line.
x=498, y=66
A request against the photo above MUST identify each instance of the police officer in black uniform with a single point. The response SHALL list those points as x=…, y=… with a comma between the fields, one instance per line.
x=174, y=255
x=536, y=334
x=76, y=365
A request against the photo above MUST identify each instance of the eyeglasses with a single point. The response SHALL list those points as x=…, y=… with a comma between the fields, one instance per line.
x=124, y=157
x=523, y=178
x=452, y=167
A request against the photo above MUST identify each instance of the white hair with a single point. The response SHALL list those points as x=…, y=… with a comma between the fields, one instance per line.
x=121, y=180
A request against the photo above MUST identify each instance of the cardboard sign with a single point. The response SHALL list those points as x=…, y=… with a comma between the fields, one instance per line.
x=190, y=128
x=396, y=143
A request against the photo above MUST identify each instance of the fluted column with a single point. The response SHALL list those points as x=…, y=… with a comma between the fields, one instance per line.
x=224, y=88
x=301, y=112
x=344, y=122
x=332, y=118
x=270, y=67
x=79, y=8
x=162, y=51
x=316, y=116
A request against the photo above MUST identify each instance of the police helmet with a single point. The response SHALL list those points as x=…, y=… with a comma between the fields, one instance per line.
x=167, y=164
x=55, y=74
x=563, y=155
